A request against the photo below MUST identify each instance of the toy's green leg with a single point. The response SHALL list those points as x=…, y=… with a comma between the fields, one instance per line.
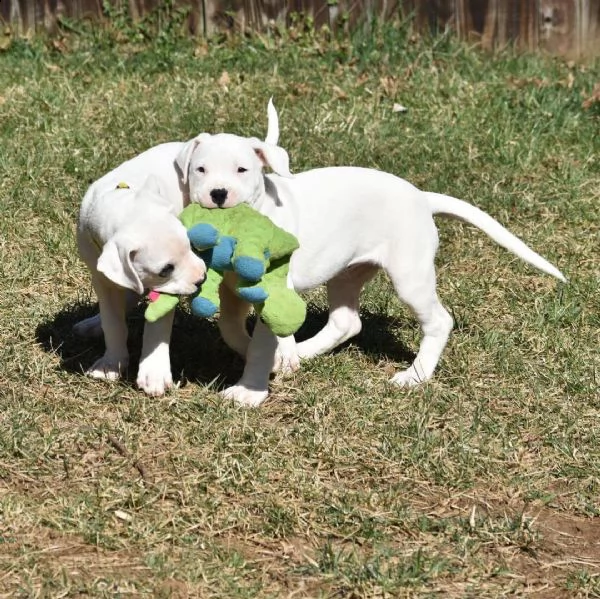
x=284, y=310
x=282, y=244
x=249, y=259
x=160, y=306
x=206, y=303
x=251, y=245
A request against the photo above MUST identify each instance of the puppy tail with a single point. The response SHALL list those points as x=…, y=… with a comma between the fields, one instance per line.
x=272, y=124
x=449, y=206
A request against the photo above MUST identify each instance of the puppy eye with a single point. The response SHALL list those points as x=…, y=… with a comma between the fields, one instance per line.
x=200, y=169
x=166, y=271
x=241, y=169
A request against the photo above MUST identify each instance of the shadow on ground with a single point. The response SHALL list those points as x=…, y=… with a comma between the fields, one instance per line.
x=198, y=353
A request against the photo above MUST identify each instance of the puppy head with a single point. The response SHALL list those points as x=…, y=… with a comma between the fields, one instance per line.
x=224, y=170
x=153, y=252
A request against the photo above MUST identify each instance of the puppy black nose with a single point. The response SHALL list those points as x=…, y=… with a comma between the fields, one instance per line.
x=218, y=196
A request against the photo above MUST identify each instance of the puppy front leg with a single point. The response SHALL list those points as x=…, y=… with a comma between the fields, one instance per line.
x=111, y=300
x=154, y=374
x=253, y=388
x=287, y=359
x=232, y=318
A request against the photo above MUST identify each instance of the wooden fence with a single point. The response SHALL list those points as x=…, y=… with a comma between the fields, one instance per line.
x=567, y=27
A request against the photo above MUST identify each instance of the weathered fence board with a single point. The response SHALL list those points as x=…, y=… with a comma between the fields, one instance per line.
x=570, y=27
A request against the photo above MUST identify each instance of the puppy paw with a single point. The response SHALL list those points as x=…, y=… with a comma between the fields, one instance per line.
x=89, y=327
x=286, y=363
x=108, y=368
x=245, y=397
x=154, y=378
x=408, y=378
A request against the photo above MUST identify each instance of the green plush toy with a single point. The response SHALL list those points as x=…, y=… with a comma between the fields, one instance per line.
x=250, y=244
x=242, y=240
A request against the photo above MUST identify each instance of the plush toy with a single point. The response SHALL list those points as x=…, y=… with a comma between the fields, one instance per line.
x=250, y=244
x=242, y=240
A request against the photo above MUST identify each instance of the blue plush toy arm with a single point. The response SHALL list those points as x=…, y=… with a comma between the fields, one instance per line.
x=203, y=236
x=220, y=255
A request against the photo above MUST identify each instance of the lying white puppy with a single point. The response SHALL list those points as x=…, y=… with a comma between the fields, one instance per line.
x=132, y=240
x=350, y=222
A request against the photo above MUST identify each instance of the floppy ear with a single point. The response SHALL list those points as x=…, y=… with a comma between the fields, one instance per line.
x=185, y=155
x=153, y=190
x=153, y=184
x=115, y=263
x=273, y=156
x=272, y=124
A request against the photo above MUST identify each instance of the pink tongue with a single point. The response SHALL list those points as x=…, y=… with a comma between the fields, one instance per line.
x=153, y=296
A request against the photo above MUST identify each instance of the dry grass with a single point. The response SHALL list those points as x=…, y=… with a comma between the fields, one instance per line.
x=482, y=483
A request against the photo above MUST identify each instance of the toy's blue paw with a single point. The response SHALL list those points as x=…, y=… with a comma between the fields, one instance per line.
x=203, y=236
x=203, y=307
x=249, y=268
x=221, y=256
x=254, y=295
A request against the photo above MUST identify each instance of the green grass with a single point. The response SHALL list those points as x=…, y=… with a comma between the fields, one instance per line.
x=482, y=483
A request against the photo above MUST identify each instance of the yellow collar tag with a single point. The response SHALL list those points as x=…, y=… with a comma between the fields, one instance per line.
x=122, y=186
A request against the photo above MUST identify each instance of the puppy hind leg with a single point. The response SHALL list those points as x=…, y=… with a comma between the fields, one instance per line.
x=418, y=290
x=89, y=327
x=343, y=293
x=92, y=327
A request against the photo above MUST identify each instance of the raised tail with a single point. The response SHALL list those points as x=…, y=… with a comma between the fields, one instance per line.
x=273, y=124
x=449, y=206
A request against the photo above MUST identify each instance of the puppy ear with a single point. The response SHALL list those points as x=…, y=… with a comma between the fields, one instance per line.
x=272, y=124
x=153, y=190
x=115, y=263
x=185, y=155
x=272, y=156
x=153, y=184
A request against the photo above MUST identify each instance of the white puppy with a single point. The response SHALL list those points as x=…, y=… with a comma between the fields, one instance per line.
x=350, y=222
x=131, y=240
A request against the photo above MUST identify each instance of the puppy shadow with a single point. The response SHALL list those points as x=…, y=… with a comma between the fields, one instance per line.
x=56, y=336
x=198, y=354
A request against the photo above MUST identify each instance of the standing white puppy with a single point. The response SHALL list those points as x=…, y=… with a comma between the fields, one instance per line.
x=350, y=222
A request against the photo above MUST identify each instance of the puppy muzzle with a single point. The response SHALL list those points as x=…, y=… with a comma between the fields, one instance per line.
x=219, y=196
